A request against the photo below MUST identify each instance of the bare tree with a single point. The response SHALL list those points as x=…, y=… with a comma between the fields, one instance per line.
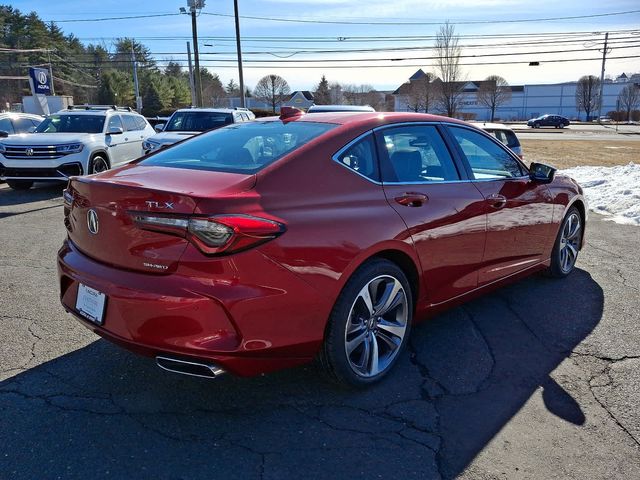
x=357, y=94
x=629, y=99
x=493, y=92
x=421, y=94
x=447, y=53
x=588, y=94
x=272, y=89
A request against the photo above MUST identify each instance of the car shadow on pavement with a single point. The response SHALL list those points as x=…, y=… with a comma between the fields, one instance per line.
x=38, y=193
x=102, y=412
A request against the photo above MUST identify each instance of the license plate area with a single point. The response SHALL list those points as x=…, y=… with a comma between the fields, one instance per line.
x=90, y=304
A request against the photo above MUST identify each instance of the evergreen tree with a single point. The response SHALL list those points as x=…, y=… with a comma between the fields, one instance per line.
x=322, y=95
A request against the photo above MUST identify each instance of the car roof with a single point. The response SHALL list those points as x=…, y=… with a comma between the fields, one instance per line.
x=366, y=119
x=21, y=115
x=493, y=126
x=211, y=110
x=340, y=108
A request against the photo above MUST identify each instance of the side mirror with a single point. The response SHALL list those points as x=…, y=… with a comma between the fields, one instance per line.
x=541, y=173
x=115, y=131
x=159, y=127
x=3, y=134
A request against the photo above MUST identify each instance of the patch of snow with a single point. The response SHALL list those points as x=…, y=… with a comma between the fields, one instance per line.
x=612, y=191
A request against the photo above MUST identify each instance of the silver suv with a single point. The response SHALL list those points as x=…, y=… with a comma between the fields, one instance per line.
x=78, y=141
x=187, y=122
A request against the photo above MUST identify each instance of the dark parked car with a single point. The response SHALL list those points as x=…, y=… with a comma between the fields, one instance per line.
x=556, y=121
x=266, y=244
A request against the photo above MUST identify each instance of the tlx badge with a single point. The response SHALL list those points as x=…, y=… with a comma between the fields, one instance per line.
x=167, y=205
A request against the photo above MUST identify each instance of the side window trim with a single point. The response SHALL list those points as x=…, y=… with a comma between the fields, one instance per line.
x=467, y=166
x=336, y=157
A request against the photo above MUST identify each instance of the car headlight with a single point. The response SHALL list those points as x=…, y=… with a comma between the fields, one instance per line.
x=70, y=148
x=149, y=146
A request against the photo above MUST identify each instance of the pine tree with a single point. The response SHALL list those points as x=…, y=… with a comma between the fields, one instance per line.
x=322, y=96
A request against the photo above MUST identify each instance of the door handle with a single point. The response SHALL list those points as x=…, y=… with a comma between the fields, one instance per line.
x=412, y=199
x=496, y=200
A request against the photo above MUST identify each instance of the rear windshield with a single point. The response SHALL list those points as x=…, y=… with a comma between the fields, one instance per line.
x=197, y=121
x=70, y=123
x=507, y=137
x=239, y=148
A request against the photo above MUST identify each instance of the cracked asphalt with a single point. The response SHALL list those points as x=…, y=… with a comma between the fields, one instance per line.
x=540, y=379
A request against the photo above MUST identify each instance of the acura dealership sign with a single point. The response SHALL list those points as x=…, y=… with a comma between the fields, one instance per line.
x=40, y=81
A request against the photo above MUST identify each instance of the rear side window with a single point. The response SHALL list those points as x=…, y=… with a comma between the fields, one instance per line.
x=361, y=158
x=115, y=122
x=6, y=126
x=142, y=123
x=507, y=137
x=486, y=158
x=241, y=147
x=416, y=154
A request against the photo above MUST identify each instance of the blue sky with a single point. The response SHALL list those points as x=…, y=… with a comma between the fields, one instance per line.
x=222, y=53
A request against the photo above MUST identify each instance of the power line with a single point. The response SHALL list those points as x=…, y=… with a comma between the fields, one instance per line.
x=352, y=22
x=462, y=22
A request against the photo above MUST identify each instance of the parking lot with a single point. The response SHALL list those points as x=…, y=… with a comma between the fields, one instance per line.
x=537, y=380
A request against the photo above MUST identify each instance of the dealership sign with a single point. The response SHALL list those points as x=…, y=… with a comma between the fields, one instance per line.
x=40, y=81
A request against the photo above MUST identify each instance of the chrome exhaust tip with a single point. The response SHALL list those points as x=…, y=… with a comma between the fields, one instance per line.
x=184, y=367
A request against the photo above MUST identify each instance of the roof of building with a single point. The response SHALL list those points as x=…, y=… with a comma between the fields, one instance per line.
x=305, y=93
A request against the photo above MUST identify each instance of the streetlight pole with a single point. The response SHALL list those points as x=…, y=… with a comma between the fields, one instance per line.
x=235, y=8
x=194, y=29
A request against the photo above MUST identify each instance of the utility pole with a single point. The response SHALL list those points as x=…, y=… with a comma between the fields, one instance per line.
x=136, y=85
x=239, y=49
x=53, y=92
x=604, y=59
x=194, y=28
x=191, y=85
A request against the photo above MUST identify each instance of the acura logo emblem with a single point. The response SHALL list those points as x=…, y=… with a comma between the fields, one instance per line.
x=29, y=151
x=92, y=221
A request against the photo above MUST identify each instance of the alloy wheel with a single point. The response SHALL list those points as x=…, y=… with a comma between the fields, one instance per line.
x=376, y=326
x=99, y=165
x=570, y=242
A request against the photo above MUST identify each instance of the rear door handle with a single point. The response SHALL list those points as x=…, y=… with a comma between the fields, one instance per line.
x=412, y=199
x=496, y=200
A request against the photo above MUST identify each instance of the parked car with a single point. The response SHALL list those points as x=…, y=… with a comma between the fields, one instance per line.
x=18, y=123
x=187, y=122
x=556, y=121
x=269, y=244
x=339, y=108
x=77, y=141
x=503, y=133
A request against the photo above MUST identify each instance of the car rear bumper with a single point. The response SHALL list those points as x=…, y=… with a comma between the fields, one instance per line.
x=237, y=323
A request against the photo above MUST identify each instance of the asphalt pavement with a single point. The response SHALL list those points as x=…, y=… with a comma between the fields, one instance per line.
x=540, y=379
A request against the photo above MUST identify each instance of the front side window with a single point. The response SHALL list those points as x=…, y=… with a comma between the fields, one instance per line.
x=487, y=159
x=115, y=122
x=71, y=123
x=241, y=147
x=416, y=154
x=6, y=126
x=361, y=157
x=197, y=121
x=130, y=123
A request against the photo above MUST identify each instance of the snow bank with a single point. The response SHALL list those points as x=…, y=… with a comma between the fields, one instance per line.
x=613, y=191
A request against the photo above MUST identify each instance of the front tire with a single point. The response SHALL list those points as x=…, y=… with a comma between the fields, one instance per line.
x=98, y=164
x=369, y=325
x=567, y=246
x=20, y=184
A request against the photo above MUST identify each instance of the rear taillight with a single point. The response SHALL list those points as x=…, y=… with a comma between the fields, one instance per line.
x=214, y=235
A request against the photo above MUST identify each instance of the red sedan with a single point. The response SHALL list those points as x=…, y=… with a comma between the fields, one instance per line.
x=264, y=245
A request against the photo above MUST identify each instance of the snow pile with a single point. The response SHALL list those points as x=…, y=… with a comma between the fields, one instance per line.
x=611, y=191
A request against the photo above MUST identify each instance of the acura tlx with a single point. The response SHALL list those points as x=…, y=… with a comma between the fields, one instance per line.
x=268, y=244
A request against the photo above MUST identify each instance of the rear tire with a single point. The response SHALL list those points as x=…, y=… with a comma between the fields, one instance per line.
x=369, y=325
x=20, y=184
x=567, y=245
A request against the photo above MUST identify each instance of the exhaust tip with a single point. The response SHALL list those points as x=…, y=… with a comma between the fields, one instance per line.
x=184, y=367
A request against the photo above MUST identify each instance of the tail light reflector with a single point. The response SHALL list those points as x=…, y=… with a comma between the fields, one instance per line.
x=217, y=234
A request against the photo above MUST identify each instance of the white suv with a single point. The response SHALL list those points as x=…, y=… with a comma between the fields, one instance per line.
x=78, y=141
x=187, y=122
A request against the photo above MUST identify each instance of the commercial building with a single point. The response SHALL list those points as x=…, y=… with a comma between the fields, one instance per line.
x=527, y=101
